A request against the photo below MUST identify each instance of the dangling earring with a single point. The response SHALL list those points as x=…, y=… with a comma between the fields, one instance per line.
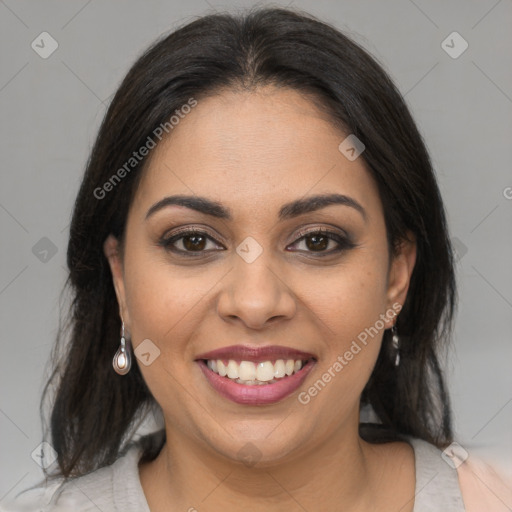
x=395, y=343
x=122, y=361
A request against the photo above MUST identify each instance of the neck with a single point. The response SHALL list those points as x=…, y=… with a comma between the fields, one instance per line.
x=335, y=471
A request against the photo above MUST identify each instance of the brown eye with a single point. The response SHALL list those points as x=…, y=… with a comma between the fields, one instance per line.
x=317, y=242
x=189, y=241
x=323, y=242
x=194, y=242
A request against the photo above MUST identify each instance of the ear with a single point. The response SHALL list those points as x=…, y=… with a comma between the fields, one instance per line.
x=401, y=267
x=113, y=255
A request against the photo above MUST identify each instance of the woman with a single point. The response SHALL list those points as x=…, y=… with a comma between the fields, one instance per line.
x=259, y=252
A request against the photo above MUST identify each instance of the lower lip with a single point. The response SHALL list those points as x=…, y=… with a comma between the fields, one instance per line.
x=257, y=394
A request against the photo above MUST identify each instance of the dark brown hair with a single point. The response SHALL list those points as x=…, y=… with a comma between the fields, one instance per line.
x=94, y=410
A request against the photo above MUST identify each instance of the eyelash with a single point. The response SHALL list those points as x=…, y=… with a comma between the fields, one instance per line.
x=344, y=243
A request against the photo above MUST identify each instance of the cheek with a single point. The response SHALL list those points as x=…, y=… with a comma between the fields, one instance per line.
x=348, y=299
x=350, y=302
x=163, y=304
x=165, y=309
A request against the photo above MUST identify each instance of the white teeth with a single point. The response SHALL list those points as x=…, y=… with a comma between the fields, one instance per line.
x=250, y=373
x=279, y=369
x=212, y=364
x=221, y=368
x=247, y=370
x=232, y=370
x=250, y=382
x=265, y=371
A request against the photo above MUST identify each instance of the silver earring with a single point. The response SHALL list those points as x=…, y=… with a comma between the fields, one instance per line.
x=395, y=343
x=122, y=361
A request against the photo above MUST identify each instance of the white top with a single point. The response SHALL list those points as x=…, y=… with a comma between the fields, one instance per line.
x=117, y=488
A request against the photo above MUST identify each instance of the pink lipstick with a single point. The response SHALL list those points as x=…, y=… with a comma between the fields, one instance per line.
x=264, y=367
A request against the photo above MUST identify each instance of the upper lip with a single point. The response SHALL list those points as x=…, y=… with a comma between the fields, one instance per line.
x=256, y=354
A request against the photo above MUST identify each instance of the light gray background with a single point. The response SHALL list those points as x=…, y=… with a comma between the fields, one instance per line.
x=51, y=110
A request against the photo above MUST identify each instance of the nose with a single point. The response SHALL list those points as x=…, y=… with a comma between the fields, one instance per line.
x=255, y=294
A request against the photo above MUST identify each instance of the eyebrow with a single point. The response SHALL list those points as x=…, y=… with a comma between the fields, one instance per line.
x=287, y=211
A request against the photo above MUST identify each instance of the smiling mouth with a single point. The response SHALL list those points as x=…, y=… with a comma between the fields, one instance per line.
x=259, y=373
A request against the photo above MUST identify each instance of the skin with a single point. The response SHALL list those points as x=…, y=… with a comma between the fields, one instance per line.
x=253, y=152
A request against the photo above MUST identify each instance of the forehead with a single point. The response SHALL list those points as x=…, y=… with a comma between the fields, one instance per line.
x=246, y=149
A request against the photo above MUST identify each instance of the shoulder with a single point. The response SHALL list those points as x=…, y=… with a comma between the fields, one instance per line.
x=437, y=483
x=484, y=487
x=459, y=478
x=106, y=489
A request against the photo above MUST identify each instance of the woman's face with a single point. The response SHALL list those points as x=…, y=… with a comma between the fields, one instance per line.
x=260, y=276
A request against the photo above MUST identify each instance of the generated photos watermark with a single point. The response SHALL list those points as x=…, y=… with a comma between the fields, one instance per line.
x=137, y=156
x=363, y=338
